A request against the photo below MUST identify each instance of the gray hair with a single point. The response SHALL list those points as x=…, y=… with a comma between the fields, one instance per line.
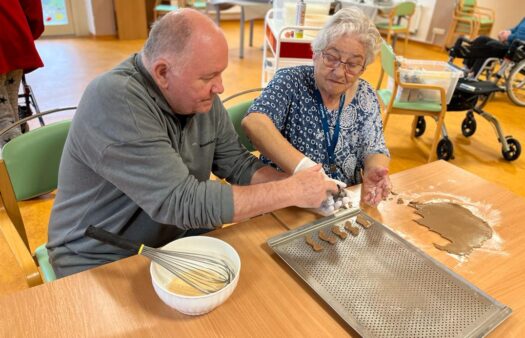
x=170, y=35
x=349, y=21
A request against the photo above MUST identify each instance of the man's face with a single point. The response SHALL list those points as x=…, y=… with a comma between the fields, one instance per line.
x=193, y=85
x=336, y=80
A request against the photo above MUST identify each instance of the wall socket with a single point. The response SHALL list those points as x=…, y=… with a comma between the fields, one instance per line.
x=438, y=31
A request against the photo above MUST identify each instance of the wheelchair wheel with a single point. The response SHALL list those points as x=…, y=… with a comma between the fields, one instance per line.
x=516, y=84
x=445, y=149
x=421, y=126
x=514, y=149
x=468, y=126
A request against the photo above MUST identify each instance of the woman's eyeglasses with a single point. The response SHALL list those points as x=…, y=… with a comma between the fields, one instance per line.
x=333, y=61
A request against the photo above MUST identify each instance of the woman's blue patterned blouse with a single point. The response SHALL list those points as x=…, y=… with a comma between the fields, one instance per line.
x=289, y=101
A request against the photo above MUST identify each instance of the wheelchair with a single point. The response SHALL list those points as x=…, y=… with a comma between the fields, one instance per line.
x=507, y=72
x=466, y=97
x=27, y=105
x=473, y=91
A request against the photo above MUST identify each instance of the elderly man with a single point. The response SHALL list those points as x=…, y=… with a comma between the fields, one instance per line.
x=326, y=113
x=484, y=47
x=143, y=142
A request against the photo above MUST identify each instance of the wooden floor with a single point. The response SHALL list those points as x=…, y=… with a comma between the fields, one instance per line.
x=70, y=64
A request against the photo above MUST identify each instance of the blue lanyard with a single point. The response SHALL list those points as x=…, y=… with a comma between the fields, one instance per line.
x=330, y=142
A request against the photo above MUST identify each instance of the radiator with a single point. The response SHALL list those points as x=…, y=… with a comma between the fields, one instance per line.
x=416, y=19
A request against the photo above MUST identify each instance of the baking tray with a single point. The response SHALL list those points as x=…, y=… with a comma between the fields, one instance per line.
x=383, y=286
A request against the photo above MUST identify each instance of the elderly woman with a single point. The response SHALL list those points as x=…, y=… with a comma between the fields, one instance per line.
x=326, y=113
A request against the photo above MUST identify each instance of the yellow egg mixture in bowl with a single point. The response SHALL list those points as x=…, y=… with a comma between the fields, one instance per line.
x=177, y=294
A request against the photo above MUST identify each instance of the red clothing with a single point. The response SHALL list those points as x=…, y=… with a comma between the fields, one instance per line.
x=21, y=22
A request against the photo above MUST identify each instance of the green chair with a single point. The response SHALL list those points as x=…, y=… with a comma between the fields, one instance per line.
x=470, y=20
x=163, y=7
x=437, y=111
x=200, y=5
x=237, y=112
x=29, y=168
x=394, y=26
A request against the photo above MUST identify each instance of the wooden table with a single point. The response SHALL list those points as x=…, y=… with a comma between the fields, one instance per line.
x=118, y=300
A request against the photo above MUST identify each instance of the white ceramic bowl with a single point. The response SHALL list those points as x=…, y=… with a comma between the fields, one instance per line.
x=196, y=305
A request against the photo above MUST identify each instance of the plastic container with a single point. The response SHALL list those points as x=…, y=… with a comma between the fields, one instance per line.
x=436, y=73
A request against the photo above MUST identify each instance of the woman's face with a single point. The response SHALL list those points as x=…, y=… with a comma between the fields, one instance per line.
x=339, y=65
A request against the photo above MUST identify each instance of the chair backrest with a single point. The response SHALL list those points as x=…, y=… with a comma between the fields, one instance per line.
x=406, y=8
x=29, y=168
x=388, y=59
x=466, y=7
x=162, y=7
x=236, y=113
x=32, y=160
x=198, y=4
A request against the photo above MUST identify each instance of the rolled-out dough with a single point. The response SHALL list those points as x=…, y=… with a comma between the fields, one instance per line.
x=455, y=223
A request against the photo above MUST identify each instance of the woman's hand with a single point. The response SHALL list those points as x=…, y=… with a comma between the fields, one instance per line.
x=376, y=185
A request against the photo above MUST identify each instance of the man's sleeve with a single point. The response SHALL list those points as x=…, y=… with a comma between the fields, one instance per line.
x=517, y=32
x=144, y=165
x=155, y=177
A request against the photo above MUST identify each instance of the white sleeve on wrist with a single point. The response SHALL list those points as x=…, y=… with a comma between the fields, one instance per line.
x=305, y=163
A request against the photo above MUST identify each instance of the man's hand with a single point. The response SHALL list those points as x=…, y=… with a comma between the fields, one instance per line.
x=310, y=187
x=503, y=36
x=376, y=185
x=306, y=163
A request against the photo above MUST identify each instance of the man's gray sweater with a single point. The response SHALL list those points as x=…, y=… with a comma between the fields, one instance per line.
x=133, y=167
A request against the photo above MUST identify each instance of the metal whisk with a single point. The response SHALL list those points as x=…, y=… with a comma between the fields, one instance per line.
x=203, y=272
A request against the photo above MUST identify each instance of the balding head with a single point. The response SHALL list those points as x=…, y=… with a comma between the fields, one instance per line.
x=186, y=54
x=171, y=35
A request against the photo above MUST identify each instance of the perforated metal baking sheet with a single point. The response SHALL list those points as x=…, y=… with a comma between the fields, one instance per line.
x=383, y=286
